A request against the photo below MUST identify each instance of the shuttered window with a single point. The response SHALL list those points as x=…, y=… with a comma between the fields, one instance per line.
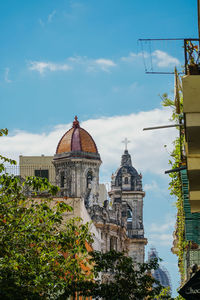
x=42, y=173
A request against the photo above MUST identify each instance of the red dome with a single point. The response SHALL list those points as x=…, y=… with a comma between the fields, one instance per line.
x=76, y=139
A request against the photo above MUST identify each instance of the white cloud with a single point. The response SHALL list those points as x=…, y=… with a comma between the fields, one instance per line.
x=159, y=228
x=129, y=58
x=104, y=64
x=41, y=66
x=88, y=65
x=133, y=56
x=92, y=65
x=42, y=24
x=159, y=58
x=163, y=239
x=78, y=59
x=51, y=15
x=147, y=148
x=161, y=233
x=151, y=186
x=6, y=75
x=74, y=12
x=48, y=20
x=163, y=59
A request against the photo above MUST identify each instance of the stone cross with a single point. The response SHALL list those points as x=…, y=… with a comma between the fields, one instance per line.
x=126, y=141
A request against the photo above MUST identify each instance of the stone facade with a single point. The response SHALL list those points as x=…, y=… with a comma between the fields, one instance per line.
x=126, y=188
x=119, y=219
x=118, y=215
x=78, y=176
x=121, y=224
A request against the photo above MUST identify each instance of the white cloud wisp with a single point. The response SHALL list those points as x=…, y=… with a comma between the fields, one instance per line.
x=42, y=67
x=147, y=148
x=51, y=15
x=162, y=233
x=163, y=59
x=160, y=58
x=133, y=56
x=104, y=64
x=89, y=65
x=6, y=75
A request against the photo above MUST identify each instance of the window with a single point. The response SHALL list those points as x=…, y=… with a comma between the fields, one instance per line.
x=89, y=178
x=113, y=243
x=62, y=179
x=42, y=173
x=129, y=214
x=126, y=180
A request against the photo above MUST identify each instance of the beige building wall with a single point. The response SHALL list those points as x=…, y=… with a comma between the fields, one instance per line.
x=33, y=165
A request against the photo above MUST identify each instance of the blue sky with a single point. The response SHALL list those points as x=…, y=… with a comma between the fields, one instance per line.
x=62, y=58
x=54, y=31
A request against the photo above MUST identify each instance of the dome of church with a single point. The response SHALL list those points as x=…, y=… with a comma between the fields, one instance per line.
x=126, y=175
x=160, y=274
x=76, y=140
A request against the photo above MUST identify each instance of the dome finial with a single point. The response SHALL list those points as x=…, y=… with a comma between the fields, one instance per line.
x=76, y=122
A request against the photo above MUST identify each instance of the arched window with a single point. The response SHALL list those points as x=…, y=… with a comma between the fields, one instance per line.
x=129, y=214
x=126, y=180
x=89, y=178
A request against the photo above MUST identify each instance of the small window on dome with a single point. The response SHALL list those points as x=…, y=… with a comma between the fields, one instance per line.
x=126, y=180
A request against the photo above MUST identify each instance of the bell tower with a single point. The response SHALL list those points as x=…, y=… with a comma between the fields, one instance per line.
x=77, y=163
x=126, y=187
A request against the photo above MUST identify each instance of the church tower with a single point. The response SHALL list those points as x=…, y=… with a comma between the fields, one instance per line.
x=77, y=163
x=126, y=188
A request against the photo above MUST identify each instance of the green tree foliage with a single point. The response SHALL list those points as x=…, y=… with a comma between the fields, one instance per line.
x=121, y=279
x=179, y=298
x=164, y=294
x=176, y=160
x=41, y=254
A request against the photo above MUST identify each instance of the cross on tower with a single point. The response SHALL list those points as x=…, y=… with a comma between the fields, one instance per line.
x=126, y=141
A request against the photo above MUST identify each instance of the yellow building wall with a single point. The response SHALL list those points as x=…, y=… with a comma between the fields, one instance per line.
x=28, y=165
